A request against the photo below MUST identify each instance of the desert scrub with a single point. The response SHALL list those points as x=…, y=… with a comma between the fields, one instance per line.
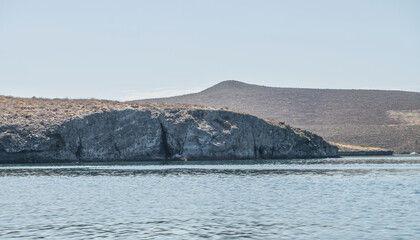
x=43, y=113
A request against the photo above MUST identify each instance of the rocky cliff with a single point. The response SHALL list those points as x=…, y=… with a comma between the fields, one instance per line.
x=119, y=132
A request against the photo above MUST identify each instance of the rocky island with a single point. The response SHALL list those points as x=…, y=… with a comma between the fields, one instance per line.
x=61, y=130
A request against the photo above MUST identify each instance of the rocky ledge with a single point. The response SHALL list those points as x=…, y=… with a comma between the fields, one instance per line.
x=41, y=130
x=365, y=153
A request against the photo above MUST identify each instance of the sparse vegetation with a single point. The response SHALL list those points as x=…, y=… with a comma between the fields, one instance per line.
x=35, y=115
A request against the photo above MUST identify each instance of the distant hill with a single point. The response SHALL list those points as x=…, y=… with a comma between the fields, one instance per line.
x=375, y=118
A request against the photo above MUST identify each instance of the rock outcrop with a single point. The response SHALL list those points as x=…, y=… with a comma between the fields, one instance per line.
x=166, y=133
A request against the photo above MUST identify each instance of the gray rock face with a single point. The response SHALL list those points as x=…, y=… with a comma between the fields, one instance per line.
x=160, y=134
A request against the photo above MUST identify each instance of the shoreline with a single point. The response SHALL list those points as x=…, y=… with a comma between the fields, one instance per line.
x=365, y=153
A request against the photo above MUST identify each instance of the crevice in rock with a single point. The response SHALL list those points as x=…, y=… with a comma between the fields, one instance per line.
x=261, y=152
x=165, y=146
x=183, y=142
x=255, y=151
x=255, y=144
x=117, y=149
x=79, y=149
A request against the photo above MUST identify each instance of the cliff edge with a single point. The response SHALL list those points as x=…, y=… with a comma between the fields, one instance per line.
x=44, y=130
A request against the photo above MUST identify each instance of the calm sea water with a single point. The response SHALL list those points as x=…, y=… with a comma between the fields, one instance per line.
x=348, y=198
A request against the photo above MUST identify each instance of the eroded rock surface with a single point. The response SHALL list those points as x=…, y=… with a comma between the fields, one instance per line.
x=159, y=134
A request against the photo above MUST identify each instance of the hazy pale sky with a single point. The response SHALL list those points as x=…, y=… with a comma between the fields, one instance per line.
x=139, y=49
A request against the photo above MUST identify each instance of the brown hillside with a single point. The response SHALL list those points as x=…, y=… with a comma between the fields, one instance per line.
x=378, y=118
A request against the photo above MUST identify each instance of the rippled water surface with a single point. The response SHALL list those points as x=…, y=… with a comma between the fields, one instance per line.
x=348, y=198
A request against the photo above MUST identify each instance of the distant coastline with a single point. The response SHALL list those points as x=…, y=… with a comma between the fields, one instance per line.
x=365, y=153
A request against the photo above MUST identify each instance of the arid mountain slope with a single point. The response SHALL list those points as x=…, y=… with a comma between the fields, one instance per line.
x=378, y=118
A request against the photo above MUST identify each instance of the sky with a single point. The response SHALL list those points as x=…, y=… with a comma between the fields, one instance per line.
x=134, y=49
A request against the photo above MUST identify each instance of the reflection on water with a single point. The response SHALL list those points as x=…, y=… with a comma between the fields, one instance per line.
x=229, y=167
x=84, y=172
x=349, y=198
